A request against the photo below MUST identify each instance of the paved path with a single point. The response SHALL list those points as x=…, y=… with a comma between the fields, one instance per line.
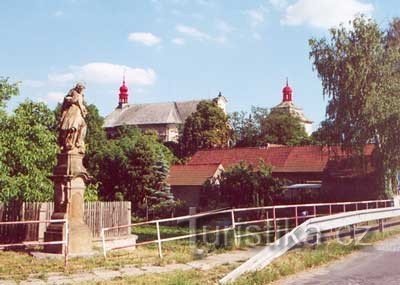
x=105, y=274
x=378, y=264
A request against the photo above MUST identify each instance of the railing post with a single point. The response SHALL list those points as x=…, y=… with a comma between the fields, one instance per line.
x=159, y=240
x=381, y=226
x=344, y=208
x=235, y=239
x=315, y=210
x=66, y=244
x=330, y=209
x=275, y=226
x=103, y=242
x=353, y=231
x=376, y=205
x=296, y=216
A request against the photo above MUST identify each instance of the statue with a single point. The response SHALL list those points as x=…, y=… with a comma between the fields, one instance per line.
x=70, y=179
x=72, y=123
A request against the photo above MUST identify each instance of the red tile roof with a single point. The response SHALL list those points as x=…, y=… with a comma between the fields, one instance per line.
x=281, y=158
x=192, y=174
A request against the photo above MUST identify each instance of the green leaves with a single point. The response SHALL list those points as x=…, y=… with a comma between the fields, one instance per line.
x=133, y=165
x=261, y=127
x=359, y=70
x=206, y=128
x=248, y=185
x=27, y=153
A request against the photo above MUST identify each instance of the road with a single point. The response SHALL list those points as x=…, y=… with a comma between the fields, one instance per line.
x=378, y=264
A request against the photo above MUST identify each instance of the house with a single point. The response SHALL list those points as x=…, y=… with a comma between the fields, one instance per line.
x=298, y=164
x=166, y=118
x=187, y=180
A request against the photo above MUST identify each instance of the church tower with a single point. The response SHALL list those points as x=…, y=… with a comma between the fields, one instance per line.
x=123, y=95
x=287, y=106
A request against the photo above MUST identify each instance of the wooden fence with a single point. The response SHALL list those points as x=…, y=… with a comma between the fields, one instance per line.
x=97, y=216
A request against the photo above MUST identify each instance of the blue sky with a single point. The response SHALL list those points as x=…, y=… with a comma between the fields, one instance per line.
x=172, y=50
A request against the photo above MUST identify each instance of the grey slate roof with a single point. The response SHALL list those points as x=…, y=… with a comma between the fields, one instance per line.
x=149, y=114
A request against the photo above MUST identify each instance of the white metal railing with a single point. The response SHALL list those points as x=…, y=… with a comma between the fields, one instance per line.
x=305, y=230
x=64, y=241
x=273, y=218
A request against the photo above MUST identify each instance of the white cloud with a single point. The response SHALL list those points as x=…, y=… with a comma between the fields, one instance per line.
x=201, y=36
x=103, y=73
x=58, y=13
x=193, y=32
x=324, y=13
x=61, y=77
x=224, y=27
x=147, y=39
x=54, y=96
x=278, y=4
x=178, y=41
x=256, y=16
x=32, y=83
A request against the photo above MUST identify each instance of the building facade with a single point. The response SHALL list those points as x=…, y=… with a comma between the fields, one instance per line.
x=287, y=106
x=166, y=118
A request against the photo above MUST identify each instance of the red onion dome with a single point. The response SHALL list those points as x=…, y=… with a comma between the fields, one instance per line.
x=123, y=89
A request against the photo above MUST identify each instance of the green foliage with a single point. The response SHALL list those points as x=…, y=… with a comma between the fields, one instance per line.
x=7, y=90
x=282, y=128
x=244, y=185
x=92, y=192
x=95, y=139
x=247, y=127
x=206, y=128
x=135, y=166
x=360, y=76
x=27, y=153
x=261, y=127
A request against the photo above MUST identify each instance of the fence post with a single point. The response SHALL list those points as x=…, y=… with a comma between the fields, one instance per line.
x=353, y=231
x=234, y=228
x=296, y=216
x=159, y=240
x=66, y=243
x=315, y=211
x=381, y=226
x=275, y=226
x=103, y=241
x=192, y=226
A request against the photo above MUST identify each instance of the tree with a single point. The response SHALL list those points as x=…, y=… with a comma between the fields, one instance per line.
x=248, y=185
x=359, y=69
x=261, y=127
x=282, y=128
x=247, y=127
x=28, y=152
x=206, y=128
x=134, y=166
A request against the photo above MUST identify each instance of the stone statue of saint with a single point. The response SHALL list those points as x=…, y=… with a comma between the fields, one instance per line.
x=72, y=128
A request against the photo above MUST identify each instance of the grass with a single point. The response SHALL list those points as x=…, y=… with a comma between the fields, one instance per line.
x=293, y=262
x=19, y=265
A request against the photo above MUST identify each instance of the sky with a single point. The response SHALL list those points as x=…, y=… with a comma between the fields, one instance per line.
x=173, y=50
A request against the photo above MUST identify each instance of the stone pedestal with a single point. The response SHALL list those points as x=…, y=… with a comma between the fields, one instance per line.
x=70, y=178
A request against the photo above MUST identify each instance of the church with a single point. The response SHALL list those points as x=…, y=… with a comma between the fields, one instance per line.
x=166, y=118
x=287, y=106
